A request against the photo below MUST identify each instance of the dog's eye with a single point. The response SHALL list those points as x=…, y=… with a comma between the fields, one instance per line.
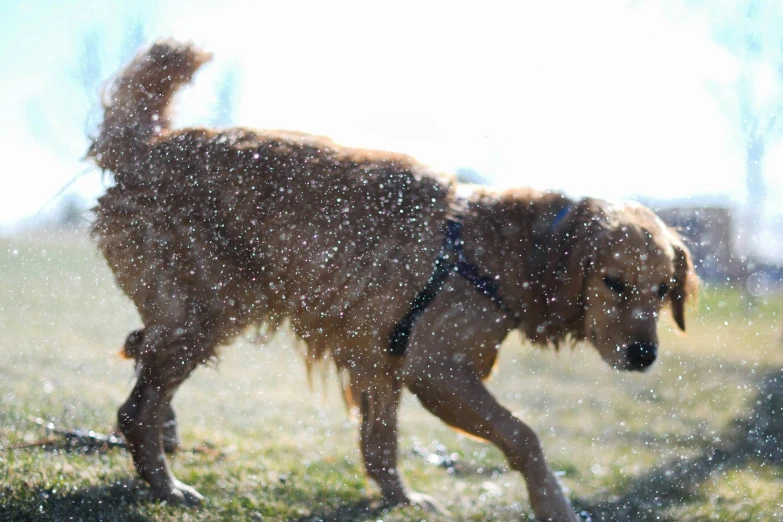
x=614, y=285
x=663, y=289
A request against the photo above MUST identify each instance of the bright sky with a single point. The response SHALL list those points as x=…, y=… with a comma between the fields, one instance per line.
x=594, y=98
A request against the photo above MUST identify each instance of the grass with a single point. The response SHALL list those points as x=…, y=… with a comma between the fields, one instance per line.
x=700, y=437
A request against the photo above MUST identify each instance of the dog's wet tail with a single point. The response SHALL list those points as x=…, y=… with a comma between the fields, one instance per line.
x=136, y=109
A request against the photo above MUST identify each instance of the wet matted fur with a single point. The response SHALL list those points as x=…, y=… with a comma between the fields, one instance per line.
x=212, y=231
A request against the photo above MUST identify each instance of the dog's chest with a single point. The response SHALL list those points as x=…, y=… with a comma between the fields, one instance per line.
x=463, y=325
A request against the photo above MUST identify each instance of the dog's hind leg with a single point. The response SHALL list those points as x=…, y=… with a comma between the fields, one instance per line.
x=454, y=392
x=134, y=345
x=170, y=435
x=379, y=404
x=168, y=358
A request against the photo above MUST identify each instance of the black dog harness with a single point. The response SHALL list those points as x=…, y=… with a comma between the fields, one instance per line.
x=452, y=259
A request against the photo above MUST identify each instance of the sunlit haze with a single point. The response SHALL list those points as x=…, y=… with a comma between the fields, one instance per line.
x=609, y=99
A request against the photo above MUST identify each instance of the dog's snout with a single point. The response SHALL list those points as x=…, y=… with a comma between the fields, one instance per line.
x=641, y=355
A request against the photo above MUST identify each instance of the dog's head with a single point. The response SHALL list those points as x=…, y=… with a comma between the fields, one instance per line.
x=612, y=269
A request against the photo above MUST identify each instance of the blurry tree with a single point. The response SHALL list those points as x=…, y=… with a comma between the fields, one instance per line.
x=226, y=98
x=93, y=68
x=52, y=115
x=469, y=175
x=752, y=30
x=71, y=212
x=102, y=51
x=65, y=115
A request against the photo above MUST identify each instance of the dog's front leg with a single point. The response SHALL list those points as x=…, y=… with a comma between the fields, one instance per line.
x=452, y=391
x=379, y=405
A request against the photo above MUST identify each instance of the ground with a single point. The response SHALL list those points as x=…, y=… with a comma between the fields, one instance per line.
x=696, y=438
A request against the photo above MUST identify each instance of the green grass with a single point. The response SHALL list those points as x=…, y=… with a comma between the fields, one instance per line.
x=700, y=437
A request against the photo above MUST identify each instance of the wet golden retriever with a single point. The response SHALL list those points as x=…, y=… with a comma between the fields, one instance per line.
x=373, y=259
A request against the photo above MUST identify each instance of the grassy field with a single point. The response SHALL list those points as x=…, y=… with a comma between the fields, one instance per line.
x=700, y=437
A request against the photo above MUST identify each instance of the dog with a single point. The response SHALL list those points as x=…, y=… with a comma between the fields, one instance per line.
x=376, y=262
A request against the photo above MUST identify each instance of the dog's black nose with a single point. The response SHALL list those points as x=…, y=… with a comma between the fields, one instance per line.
x=641, y=355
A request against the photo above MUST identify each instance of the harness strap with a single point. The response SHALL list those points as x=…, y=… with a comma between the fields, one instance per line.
x=559, y=217
x=452, y=258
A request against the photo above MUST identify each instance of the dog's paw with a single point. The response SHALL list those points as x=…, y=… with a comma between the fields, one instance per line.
x=426, y=503
x=179, y=494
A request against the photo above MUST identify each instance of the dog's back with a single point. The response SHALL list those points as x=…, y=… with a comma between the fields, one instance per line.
x=256, y=226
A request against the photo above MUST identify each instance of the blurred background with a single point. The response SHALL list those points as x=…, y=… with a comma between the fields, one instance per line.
x=676, y=104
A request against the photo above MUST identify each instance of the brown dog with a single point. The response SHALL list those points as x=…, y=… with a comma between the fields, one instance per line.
x=373, y=259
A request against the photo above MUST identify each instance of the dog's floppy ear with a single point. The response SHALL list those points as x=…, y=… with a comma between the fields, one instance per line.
x=573, y=248
x=686, y=283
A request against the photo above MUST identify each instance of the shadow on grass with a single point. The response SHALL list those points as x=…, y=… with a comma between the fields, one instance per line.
x=66, y=446
x=755, y=438
x=364, y=509
x=115, y=501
